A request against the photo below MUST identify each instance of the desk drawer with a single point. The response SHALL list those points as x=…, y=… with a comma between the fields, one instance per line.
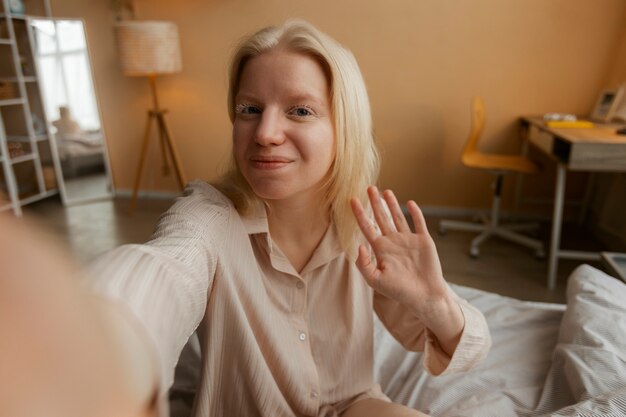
x=541, y=139
x=578, y=152
x=610, y=157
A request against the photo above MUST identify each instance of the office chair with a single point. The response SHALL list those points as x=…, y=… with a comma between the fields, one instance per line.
x=499, y=165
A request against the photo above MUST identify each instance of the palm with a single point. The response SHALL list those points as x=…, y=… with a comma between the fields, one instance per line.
x=407, y=267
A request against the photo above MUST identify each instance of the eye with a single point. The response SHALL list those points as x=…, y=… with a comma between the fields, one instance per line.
x=247, y=109
x=301, y=111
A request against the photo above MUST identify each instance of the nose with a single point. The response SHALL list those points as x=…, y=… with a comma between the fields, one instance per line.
x=270, y=130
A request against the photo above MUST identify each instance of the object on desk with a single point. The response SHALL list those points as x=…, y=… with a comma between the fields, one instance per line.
x=621, y=131
x=620, y=112
x=579, y=124
x=559, y=116
x=606, y=105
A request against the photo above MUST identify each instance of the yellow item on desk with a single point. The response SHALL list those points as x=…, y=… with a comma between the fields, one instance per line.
x=580, y=124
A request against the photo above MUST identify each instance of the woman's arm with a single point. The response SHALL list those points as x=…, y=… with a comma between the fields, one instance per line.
x=62, y=352
x=407, y=271
x=163, y=285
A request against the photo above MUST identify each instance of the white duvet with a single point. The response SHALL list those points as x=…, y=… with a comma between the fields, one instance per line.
x=546, y=359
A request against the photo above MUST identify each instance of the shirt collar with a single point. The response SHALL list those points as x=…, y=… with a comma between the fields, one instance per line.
x=255, y=222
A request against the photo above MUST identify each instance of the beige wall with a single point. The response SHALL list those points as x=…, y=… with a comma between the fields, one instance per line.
x=422, y=61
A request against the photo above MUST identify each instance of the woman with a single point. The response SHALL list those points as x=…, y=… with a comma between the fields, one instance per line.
x=265, y=267
x=269, y=266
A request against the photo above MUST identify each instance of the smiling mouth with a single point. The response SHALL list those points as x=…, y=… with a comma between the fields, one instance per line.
x=263, y=162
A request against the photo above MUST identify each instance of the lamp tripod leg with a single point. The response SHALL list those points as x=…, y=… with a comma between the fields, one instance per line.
x=180, y=175
x=162, y=142
x=142, y=160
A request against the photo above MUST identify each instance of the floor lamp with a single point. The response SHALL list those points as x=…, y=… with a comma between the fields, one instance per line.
x=148, y=49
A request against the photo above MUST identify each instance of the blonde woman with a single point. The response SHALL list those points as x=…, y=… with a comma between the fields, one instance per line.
x=279, y=267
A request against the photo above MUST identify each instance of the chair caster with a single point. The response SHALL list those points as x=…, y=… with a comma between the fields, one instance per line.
x=474, y=252
x=540, y=254
x=442, y=230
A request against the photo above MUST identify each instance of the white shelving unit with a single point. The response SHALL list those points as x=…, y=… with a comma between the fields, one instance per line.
x=28, y=158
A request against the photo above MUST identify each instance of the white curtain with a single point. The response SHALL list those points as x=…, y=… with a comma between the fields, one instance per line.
x=65, y=71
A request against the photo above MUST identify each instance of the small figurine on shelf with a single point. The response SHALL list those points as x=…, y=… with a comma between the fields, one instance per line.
x=38, y=125
x=26, y=68
x=15, y=149
x=65, y=125
x=16, y=7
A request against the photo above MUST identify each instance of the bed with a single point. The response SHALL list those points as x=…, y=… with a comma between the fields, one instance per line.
x=546, y=359
x=81, y=153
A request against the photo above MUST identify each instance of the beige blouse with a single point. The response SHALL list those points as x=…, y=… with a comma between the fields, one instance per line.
x=274, y=342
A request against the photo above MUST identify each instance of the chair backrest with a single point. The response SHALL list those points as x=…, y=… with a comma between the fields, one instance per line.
x=477, y=125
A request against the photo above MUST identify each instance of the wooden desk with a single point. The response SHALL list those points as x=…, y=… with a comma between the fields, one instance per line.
x=575, y=149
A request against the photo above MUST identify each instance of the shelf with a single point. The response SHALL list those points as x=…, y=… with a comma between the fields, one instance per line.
x=26, y=78
x=23, y=158
x=23, y=16
x=25, y=139
x=13, y=16
x=23, y=172
x=38, y=196
x=12, y=102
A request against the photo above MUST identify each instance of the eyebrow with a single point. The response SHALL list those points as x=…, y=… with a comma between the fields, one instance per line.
x=297, y=97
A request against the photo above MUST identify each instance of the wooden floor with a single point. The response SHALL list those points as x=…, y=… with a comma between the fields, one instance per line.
x=89, y=229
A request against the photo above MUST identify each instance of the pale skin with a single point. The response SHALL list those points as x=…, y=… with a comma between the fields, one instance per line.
x=284, y=144
x=283, y=114
x=58, y=355
x=407, y=267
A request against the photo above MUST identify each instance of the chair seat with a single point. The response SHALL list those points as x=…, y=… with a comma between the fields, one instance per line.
x=500, y=162
x=498, y=165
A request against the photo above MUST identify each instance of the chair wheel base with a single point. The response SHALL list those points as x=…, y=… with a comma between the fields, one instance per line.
x=540, y=254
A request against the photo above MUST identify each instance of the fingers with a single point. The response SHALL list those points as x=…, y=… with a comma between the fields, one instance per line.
x=385, y=224
x=418, y=218
x=379, y=211
x=367, y=227
x=396, y=212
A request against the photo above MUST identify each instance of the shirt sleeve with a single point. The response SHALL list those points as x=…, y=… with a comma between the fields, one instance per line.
x=165, y=283
x=411, y=333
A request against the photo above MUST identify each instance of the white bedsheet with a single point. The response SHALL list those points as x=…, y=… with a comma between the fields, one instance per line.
x=545, y=360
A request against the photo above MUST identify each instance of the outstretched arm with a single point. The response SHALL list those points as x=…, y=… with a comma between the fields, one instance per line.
x=62, y=352
x=407, y=267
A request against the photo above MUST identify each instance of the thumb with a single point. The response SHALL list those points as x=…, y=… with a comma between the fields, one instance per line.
x=366, y=266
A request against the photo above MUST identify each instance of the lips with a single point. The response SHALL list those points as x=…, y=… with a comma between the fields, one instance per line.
x=269, y=161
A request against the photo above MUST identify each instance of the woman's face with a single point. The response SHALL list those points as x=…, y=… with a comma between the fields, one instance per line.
x=283, y=130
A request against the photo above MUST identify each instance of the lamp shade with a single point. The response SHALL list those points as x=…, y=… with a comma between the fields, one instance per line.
x=148, y=47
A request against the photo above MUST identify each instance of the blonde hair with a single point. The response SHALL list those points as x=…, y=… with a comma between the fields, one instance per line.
x=356, y=161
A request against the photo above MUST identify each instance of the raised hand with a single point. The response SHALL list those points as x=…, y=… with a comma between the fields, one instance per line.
x=407, y=267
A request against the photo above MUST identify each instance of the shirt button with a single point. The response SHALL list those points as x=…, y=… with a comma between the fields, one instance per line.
x=300, y=285
x=302, y=336
x=314, y=394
